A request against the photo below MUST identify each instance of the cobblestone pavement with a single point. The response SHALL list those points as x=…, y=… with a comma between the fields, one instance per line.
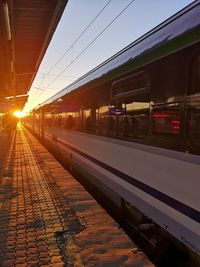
x=4, y=145
x=47, y=219
x=29, y=216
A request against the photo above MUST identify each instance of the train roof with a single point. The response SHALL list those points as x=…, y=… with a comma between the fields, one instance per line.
x=176, y=27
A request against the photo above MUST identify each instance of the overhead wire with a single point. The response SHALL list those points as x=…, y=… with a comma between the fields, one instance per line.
x=77, y=39
x=90, y=43
x=123, y=10
x=63, y=76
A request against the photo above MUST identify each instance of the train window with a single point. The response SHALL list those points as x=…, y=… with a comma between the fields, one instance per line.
x=193, y=103
x=87, y=119
x=130, y=86
x=102, y=121
x=48, y=119
x=69, y=121
x=77, y=120
x=132, y=93
x=138, y=118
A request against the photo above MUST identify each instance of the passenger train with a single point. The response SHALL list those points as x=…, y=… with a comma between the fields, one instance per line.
x=132, y=127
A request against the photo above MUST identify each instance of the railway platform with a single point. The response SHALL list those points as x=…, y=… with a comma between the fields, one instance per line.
x=48, y=219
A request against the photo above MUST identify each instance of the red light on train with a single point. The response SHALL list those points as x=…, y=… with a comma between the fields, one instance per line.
x=160, y=115
x=175, y=121
x=176, y=127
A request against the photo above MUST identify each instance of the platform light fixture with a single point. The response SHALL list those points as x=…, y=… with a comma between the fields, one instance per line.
x=7, y=21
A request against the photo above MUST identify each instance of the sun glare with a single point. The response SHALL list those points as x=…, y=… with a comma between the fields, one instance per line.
x=18, y=114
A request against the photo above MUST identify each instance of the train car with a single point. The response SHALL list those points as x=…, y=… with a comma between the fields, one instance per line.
x=132, y=127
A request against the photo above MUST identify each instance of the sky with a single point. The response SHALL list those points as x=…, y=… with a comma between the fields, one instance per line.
x=91, y=31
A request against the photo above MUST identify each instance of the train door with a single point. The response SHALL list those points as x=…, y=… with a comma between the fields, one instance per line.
x=132, y=97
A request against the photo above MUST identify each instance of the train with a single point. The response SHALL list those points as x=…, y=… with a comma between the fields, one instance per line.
x=132, y=127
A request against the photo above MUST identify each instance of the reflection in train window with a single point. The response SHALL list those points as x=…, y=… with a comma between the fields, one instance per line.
x=131, y=96
x=193, y=102
x=138, y=114
x=102, y=126
x=87, y=119
x=166, y=122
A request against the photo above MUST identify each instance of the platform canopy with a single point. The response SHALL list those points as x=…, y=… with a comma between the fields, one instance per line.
x=26, y=29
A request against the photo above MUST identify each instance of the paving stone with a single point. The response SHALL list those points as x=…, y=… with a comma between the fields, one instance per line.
x=54, y=252
x=10, y=244
x=32, y=257
x=20, y=253
x=8, y=263
x=56, y=259
x=31, y=245
x=33, y=264
x=32, y=251
x=21, y=265
x=59, y=265
x=22, y=232
x=21, y=247
x=44, y=255
x=42, y=248
x=53, y=247
x=20, y=260
x=41, y=243
x=46, y=262
x=9, y=250
x=9, y=256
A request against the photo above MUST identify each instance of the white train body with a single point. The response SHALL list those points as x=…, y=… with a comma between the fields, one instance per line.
x=156, y=190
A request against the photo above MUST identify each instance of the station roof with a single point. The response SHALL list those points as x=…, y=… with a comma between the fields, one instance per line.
x=26, y=29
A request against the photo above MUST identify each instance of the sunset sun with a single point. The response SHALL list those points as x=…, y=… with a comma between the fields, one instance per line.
x=18, y=114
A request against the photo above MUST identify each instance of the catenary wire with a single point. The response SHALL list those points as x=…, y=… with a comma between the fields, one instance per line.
x=79, y=37
x=126, y=7
x=90, y=43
